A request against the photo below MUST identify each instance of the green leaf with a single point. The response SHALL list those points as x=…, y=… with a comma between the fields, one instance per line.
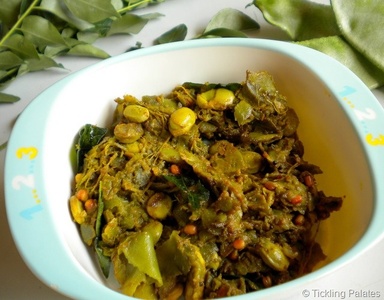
x=24, y=6
x=3, y=145
x=88, y=37
x=3, y=74
x=361, y=23
x=101, y=27
x=9, y=60
x=193, y=191
x=9, y=11
x=177, y=33
x=342, y=51
x=7, y=77
x=128, y=23
x=7, y=98
x=117, y=4
x=92, y=11
x=151, y=16
x=138, y=4
x=223, y=32
x=104, y=261
x=42, y=63
x=89, y=136
x=21, y=46
x=100, y=210
x=88, y=50
x=41, y=32
x=231, y=19
x=32, y=32
x=300, y=19
x=56, y=51
x=57, y=8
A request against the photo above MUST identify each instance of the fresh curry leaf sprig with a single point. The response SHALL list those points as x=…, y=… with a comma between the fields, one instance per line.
x=33, y=33
x=348, y=31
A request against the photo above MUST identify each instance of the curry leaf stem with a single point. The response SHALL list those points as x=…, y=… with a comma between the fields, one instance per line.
x=130, y=7
x=19, y=21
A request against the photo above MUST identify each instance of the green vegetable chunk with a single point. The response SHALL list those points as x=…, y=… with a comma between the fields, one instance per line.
x=338, y=48
x=361, y=23
x=300, y=19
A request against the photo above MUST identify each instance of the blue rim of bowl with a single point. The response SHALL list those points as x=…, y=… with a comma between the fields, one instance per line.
x=31, y=224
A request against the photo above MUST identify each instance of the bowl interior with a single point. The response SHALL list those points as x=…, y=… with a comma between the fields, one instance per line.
x=329, y=137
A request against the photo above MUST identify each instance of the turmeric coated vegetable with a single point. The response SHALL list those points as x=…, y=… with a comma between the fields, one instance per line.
x=181, y=121
x=201, y=193
x=217, y=99
x=136, y=113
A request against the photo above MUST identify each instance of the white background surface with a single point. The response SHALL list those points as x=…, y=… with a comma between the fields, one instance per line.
x=354, y=281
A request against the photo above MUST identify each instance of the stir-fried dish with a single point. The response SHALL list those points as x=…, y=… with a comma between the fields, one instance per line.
x=201, y=193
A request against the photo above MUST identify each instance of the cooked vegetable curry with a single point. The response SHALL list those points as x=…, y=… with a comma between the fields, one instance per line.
x=201, y=193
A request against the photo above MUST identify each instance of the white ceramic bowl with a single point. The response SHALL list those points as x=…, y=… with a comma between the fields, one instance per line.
x=342, y=127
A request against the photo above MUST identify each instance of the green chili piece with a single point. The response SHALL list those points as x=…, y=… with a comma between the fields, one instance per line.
x=361, y=22
x=139, y=250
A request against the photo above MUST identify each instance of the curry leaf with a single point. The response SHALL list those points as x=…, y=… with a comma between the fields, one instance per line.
x=57, y=8
x=128, y=23
x=92, y=11
x=193, y=191
x=177, y=33
x=104, y=261
x=9, y=11
x=89, y=136
x=88, y=36
x=223, y=32
x=231, y=19
x=41, y=32
x=9, y=60
x=100, y=210
x=21, y=46
x=151, y=16
x=57, y=50
x=101, y=28
x=3, y=146
x=300, y=19
x=83, y=49
x=3, y=74
x=137, y=4
x=38, y=64
x=6, y=98
x=33, y=32
x=361, y=23
x=24, y=6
